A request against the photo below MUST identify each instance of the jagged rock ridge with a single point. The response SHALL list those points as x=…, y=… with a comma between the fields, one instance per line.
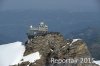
x=53, y=45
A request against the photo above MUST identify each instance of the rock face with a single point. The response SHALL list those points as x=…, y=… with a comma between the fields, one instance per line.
x=56, y=51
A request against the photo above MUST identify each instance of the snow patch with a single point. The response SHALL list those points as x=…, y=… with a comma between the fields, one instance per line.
x=51, y=50
x=97, y=62
x=63, y=46
x=74, y=40
x=11, y=53
x=32, y=57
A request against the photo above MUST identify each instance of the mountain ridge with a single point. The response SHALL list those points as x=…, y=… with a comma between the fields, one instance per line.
x=55, y=46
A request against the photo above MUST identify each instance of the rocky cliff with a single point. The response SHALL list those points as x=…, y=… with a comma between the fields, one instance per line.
x=57, y=51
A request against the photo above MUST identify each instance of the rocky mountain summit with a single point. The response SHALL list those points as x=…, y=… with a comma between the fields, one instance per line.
x=54, y=50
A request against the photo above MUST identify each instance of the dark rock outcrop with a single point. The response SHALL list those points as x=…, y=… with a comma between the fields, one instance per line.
x=54, y=46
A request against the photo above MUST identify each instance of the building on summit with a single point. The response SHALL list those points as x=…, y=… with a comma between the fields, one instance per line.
x=41, y=29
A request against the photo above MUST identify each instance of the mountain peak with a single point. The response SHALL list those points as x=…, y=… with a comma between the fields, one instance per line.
x=53, y=46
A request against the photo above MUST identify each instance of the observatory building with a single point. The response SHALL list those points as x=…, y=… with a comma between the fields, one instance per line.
x=42, y=28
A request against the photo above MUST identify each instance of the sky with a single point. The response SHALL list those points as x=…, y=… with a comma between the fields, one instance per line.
x=70, y=5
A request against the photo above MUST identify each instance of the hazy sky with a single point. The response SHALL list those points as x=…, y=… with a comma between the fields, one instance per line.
x=70, y=5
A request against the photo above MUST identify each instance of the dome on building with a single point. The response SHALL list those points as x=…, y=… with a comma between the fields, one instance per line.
x=42, y=23
x=31, y=26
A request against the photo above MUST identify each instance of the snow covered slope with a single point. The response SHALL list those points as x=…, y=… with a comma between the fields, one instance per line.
x=97, y=62
x=31, y=58
x=11, y=53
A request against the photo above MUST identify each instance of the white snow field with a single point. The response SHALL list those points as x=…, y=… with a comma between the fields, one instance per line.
x=12, y=53
x=31, y=58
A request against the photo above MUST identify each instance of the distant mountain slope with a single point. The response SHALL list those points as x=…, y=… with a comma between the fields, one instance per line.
x=91, y=35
